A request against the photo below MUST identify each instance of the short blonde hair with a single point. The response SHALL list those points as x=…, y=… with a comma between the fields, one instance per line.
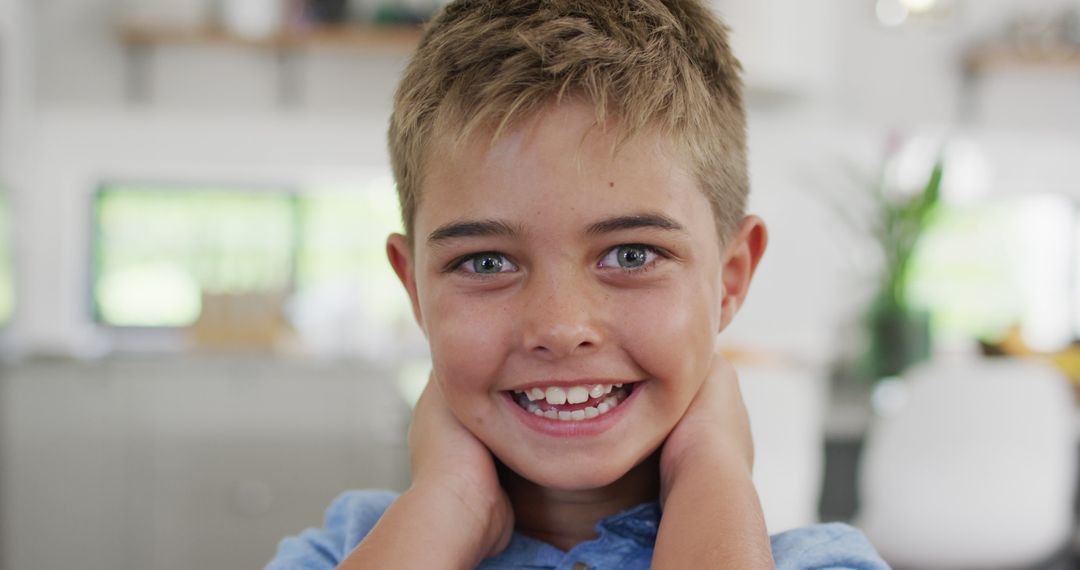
x=649, y=64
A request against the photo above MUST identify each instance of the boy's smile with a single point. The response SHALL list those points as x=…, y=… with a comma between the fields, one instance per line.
x=570, y=295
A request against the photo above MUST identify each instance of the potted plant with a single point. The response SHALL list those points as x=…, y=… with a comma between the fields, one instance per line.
x=899, y=332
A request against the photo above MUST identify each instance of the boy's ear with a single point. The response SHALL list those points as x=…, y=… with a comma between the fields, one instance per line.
x=740, y=261
x=400, y=254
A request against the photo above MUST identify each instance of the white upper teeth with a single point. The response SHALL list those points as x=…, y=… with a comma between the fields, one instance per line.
x=556, y=396
x=577, y=395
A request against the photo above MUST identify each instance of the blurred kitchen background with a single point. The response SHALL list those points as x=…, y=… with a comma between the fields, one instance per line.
x=203, y=345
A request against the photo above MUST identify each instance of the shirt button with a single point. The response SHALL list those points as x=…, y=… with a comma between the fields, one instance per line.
x=581, y=566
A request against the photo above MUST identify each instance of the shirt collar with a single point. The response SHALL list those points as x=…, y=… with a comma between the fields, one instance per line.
x=638, y=523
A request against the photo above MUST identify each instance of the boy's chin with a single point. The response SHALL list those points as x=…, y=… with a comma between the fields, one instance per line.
x=573, y=481
x=572, y=475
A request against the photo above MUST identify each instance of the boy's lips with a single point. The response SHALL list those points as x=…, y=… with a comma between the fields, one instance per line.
x=586, y=418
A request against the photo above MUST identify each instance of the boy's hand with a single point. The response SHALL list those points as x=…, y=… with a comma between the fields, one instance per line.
x=454, y=514
x=448, y=461
x=715, y=428
x=712, y=517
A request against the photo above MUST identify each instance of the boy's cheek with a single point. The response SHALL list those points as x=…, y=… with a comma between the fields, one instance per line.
x=467, y=346
x=672, y=341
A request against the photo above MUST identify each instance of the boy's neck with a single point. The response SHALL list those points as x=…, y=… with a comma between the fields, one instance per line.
x=567, y=518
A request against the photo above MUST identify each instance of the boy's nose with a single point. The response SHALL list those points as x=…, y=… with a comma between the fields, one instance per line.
x=561, y=322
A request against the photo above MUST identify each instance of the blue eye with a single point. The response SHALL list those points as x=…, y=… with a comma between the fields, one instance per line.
x=630, y=257
x=487, y=264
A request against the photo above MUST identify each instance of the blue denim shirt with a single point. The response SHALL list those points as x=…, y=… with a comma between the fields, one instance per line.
x=625, y=542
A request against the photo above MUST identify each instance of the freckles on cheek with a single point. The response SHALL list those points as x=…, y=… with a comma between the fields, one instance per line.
x=468, y=343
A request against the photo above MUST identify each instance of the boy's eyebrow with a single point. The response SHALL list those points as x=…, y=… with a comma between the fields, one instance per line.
x=471, y=228
x=634, y=221
x=482, y=228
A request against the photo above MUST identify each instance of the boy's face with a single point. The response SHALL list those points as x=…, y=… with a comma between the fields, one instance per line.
x=546, y=270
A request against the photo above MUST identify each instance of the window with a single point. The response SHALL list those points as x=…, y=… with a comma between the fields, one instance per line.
x=161, y=250
x=157, y=250
x=984, y=268
x=348, y=299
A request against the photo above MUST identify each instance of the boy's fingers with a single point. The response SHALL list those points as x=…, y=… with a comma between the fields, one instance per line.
x=737, y=416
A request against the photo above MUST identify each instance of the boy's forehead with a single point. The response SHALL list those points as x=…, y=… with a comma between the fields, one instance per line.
x=558, y=166
x=561, y=137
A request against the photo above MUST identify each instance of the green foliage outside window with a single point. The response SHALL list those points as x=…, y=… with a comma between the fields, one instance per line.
x=964, y=270
x=343, y=244
x=157, y=250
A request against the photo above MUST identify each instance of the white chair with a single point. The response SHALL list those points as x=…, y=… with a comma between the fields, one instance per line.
x=976, y=470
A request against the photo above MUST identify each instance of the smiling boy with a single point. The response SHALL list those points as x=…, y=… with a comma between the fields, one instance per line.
x=573, y=182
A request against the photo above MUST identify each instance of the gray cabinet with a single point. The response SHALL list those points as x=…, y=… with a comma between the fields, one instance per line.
x=186, y=462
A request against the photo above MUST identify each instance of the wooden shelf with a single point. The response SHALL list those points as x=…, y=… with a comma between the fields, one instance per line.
x=988, y=58
x=390, y=38
x=140, y=42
